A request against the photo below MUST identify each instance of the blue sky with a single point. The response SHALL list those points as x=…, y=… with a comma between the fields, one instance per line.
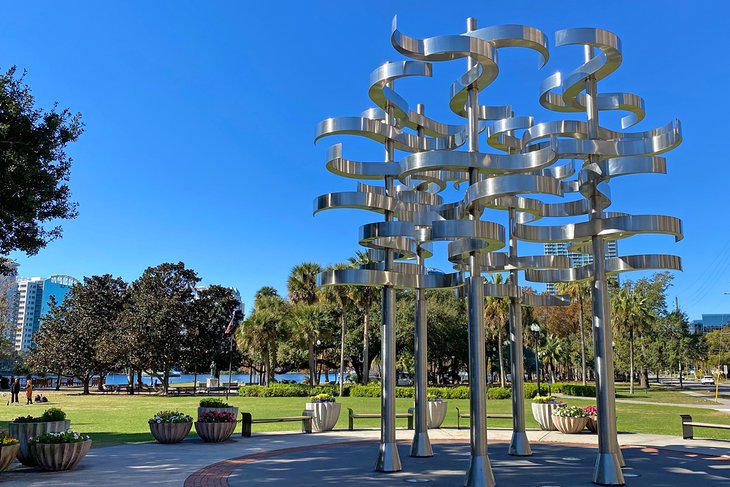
x=200, y=118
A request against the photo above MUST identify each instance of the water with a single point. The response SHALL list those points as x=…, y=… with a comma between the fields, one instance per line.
x=122, y=379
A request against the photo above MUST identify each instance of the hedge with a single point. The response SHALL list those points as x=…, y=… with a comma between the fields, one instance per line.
x=291, y=390
x=575, y=389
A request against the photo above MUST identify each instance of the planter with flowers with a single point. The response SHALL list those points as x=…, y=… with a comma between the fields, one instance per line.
x=570, y=419
x=592, y=421
x=218, y=405
x=436, y=411
x=542, y=411
x=59, y=451
x=325, y=412
x=170, y=426
x=214, y=426
x=24, y=428
x=9, y=447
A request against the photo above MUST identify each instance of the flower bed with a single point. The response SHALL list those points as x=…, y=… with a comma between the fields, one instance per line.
x=542, y=411
x=170, y=426
x=325, y=411
x=218, y=405
x=61, y=450
x=26, y=427
x=592, y=422
x=570, y=419
x=9, y=447
x=215, y=427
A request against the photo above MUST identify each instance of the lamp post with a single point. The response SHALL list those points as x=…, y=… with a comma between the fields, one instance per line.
x=535, y=328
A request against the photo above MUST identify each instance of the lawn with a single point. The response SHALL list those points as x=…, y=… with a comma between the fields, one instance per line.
x=664, y=394
x=115, y=419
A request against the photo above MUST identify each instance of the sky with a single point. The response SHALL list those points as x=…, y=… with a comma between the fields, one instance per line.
x=200, y=119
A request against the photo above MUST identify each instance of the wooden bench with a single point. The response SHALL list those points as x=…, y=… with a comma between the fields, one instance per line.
x=352, y=416
x=181, y=390
x=247, y=421
x=466, y=414
x=688, y=425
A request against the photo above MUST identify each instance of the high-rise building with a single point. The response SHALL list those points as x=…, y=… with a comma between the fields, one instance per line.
x=710, y=322
x=576, y=259
x=30, y=300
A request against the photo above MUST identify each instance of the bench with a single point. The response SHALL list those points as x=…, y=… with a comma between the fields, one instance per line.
x=688, y=425
x=466, y=414
x=181, y=390
x=247, y=421
x=352, y=416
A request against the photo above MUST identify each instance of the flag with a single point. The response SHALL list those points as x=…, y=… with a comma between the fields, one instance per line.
x=231, y=324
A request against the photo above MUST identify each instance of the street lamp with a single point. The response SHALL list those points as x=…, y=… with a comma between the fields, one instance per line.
x=535, y=328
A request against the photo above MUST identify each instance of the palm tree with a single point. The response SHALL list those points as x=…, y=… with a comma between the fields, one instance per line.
x=578, y=290
x=554, y=351
x=302, y=289
x=631, y=315
x=363, y=298
x=341, y=296
x=496, y=317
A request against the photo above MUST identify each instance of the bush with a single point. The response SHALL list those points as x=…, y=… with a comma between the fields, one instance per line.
x=291, y=390
x=499, y=393
x=575, y=389
x=50, y=414
x=213, y=403
x=531, y=390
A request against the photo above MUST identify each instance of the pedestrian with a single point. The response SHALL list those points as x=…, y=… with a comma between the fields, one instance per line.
x=29, y=391
x=15, y=390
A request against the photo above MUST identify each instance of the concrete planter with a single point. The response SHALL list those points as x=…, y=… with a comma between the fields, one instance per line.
x=543, y=414
x=232, y=409
x=324, y=415
x=568, y=425
x=436, y=413
x=7, y=455
x=60, y=456
x=592, y=424
x=214, y=432
x=170, y=432
x=24, y=431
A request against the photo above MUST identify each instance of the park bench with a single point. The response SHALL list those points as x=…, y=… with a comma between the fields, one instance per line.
x=247, y=421
x=352, y=416
x=181, y=390
x=688, y=425
x=466, y=414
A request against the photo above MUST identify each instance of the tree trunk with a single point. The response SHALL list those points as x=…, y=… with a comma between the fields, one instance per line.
x=365, y=347
x=195, y=382
x=139, y=380
x=130, y=380
x=100, y=386
x=631, y=361
x=165, y=379
x=342, y=352
x=582, y=337
x=267, y=366
x=501, y=360
x=58, y=381
x=312, y=364
x=85, y=381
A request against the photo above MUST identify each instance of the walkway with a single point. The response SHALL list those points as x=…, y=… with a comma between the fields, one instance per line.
x=209, y=465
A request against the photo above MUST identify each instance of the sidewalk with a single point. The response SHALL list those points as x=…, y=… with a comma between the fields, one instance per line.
x=171, y=465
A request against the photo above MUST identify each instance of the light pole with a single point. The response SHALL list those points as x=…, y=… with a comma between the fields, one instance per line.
x=535, y=328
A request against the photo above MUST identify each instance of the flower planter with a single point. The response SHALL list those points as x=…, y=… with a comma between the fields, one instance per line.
x=24, y=431
x=214, y=432
x=231, y=409
x=543, y=414
x=324, y=414
x=436, y=413
x=170, y=432
x=592, y=424
x=7, y=455
x=569, y=425
x=59, y=456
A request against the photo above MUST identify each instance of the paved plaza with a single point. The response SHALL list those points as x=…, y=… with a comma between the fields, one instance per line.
x=347, y=457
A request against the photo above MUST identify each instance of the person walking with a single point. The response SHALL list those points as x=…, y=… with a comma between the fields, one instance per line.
x=29, y=391
x=15, y=390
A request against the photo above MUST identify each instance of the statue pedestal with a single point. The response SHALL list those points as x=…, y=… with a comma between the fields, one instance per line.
x=212, y=382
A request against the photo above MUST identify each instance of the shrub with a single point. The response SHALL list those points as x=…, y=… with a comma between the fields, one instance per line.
x=67, y=436
x=434, y=396
x=26, y=419
x=216, y=417
x=213, y=403
x=322, y=398
x=575, y=389
x=371, y=390
x=52, y=414
x=167, y=416
x=499, y=393
x=531, y=390
x=570, y=412
x=291, y=390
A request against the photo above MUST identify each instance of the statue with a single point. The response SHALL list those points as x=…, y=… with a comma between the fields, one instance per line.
x=212, y=369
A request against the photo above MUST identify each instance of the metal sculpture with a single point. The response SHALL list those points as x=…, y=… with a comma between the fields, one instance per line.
x=529, y=164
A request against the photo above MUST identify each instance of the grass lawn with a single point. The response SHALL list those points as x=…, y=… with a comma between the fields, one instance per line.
x=661, y=393
x=116, y=419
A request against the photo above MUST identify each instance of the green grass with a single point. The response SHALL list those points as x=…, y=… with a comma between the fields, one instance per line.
x=116, y=419
x=664, y=394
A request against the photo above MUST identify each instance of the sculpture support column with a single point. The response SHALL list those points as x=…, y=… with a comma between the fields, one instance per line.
x=479, y=473
x=388, y=458
x=421, y=445
x=607, y=470
x=519, y=445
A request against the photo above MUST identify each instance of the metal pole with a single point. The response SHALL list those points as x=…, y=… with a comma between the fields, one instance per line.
x=230, y=364
x=607, y=470
x=537, y=360
x=421, y=445
x=388, y=458
x=479, y=473
x=519, y=446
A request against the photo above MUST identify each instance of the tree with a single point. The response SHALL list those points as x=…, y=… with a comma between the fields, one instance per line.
x=578, y=291
x=34, y=167
x=496, y=318
x=302, y=288
x=160, y=310
x=342, y=297
x=364, y=297
x=631, y=315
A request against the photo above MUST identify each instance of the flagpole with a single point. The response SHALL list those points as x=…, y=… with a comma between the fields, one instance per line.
x=230, y=330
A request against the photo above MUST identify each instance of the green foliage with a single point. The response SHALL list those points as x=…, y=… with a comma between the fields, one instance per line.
x=60, y=437
x=570, y=412
x=499, y=393
x=53, y=414
x=322, y=398
x=26, y=419
x=531, y=390
x=167, y=416
x=575, y=389
x=213, y=403
x=544, y=400
x=34, y=167
x=291, y=390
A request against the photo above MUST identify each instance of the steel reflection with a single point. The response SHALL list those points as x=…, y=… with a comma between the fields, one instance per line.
x=527, y=163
